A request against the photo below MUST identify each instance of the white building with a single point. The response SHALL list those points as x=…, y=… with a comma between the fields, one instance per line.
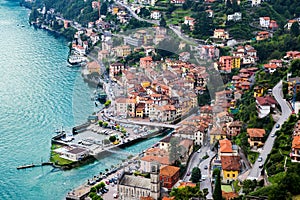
x=134, y=187
x=255, y=2
x=235, y=17
x=264, y=22
x=155, y=14
x=264, y=105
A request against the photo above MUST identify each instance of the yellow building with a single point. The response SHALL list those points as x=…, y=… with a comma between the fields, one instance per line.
x=139, y=111
x=231, y=166
x=258, y=91
x=217, y=134
x=236, y=62
x=115, y=10
x=145, y=84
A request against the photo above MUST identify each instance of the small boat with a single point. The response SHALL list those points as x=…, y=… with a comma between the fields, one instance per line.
x=75, y=60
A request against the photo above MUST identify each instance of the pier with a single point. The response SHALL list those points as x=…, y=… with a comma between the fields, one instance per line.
x=34, y=165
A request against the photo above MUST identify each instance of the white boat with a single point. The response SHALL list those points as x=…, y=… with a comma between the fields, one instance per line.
x=73, y=60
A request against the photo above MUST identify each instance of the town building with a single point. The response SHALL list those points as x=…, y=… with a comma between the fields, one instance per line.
x=255, y=2
x=237, y=16
x=155, y=14
x=264, y=105
x=264, y=22
x=115, y=69
x=256, y=137
x=231, y=167
x=262, y=35
x=169, y=175
x=295, y=153
x=135, y=187
x=293, y=85
x=233, y=129
x=221, y=34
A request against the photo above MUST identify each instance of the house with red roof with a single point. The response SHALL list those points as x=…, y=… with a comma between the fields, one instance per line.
x=231, y=166
x=146, y=62
x=295, y=153
x=255, y=136
x=264, y=105
x=169, y=175
x=262, y=35
x=271, y=68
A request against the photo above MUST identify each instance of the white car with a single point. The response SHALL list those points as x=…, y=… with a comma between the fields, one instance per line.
x=259, y=159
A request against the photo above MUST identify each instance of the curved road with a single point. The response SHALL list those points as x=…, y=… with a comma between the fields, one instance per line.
x=156, y=22
x=286, y=112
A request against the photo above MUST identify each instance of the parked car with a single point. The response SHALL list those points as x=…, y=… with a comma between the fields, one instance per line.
x=277, y=125
x=259, y=159
x=189, y=173
x=205, y=167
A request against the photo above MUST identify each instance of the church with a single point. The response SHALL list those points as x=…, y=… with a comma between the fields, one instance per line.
x=131, y=187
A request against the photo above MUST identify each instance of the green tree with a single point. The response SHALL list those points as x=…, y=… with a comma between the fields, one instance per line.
x=196, y=175
x=105, y=124
x=100, y=123
x=162, y=22
x=144, y=12
x=112, y=138
x=295, y=29
x=217, y=195
x=103, y=9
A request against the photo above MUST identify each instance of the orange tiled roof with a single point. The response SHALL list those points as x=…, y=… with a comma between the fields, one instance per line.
x=169, y=171
x=187, y=184
x=168, y=198
x=229, y=195
x=225, y=146
x=256, y=132
x=162, y=160
x=296, y=142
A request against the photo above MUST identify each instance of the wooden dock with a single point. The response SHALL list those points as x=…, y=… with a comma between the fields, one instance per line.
x=33, y=165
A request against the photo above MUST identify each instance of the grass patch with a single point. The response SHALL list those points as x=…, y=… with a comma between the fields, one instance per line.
x=252, y=156
x=56, y=159
x=226, y=188
x=55, y=146
x=236, y=186
x=277, y=178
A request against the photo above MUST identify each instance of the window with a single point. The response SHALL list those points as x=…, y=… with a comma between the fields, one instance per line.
x=227, y=175
x=233, y=175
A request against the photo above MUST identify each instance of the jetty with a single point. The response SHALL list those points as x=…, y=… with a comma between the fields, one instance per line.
x=34, y=165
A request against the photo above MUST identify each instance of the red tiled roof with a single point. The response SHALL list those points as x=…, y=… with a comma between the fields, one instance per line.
x=268, y=100
x=231, y=163
x=256, y=132
x=169, y=171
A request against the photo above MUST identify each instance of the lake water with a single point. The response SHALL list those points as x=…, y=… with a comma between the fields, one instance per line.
x=39, y=93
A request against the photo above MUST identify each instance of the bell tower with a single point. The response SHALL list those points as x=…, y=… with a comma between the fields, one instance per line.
x=155, y=183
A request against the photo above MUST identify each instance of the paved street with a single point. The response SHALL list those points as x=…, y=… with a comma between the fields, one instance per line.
x=286, y=112
x=156, y=22
x=206, y=174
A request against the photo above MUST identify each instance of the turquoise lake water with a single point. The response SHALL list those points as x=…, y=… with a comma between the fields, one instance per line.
x=39, y=93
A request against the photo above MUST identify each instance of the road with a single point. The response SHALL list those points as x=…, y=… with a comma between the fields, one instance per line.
x=206, y=178
x=156, y=22
x=196, y=161
x=286, y=112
